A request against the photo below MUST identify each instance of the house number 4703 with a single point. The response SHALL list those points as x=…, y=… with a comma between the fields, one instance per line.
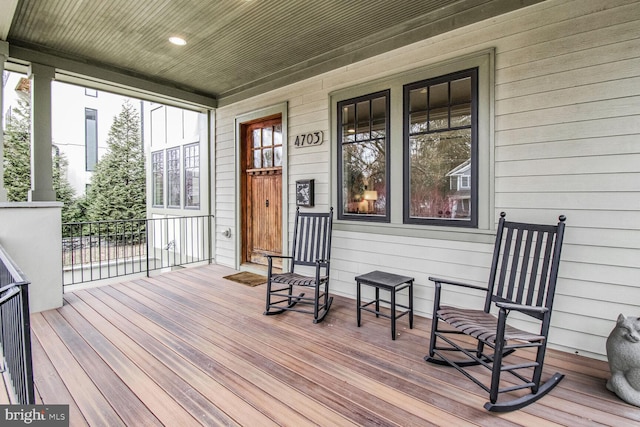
x=309, y=139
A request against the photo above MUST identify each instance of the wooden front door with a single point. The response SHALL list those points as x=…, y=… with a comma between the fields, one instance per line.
x=263, y=190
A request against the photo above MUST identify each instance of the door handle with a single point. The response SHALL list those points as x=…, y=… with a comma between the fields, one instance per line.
x=267, y=204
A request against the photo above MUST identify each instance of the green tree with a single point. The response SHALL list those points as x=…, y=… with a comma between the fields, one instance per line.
x=118, y=187
x=64, y=190
x=17, y=162
x=17, y=152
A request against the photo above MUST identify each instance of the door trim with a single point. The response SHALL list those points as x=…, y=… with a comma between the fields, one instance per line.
x=278, y=109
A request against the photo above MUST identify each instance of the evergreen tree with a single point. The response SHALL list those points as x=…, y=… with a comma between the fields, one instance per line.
x=17, y=162
x=118, y=187
x=62, y=187
x=17, y=153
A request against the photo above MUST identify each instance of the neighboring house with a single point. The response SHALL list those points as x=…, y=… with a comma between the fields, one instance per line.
x=81, y=120
x=460, y=187
x=175, y=142
x=176, y=154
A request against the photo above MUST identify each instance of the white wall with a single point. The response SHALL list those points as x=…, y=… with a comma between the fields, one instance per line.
x=567, y=123
x=35, y=249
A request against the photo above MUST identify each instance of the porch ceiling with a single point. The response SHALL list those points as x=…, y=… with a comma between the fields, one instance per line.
x=235, y=48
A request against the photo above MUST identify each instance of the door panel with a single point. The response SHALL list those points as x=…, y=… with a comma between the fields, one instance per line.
x=266, y=215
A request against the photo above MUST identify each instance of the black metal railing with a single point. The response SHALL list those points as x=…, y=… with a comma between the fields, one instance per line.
x=15, y=333
x=106, y=249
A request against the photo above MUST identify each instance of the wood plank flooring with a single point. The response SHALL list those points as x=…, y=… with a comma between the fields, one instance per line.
x=190, y=348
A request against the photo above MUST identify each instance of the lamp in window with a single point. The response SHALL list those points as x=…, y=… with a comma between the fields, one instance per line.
x=370, y=196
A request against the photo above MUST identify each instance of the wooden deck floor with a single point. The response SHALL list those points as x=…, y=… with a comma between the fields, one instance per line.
x=189, y=348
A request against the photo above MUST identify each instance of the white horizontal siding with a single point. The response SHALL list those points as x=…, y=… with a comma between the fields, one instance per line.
x=567, y=126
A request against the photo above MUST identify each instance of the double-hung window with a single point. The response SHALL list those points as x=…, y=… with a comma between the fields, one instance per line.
x=363, y=166
x=440, y=150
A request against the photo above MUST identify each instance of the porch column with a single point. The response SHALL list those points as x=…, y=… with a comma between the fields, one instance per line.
x=4, y=54
x=41, y=162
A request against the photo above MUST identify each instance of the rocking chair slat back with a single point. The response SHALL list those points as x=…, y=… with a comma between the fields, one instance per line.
x=525, y=257
x=311, y=247
x=311, y=239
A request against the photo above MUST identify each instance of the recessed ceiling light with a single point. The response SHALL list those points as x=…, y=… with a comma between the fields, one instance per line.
x=178, y=41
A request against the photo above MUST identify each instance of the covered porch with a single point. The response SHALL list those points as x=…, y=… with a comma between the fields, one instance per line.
x=189, y=347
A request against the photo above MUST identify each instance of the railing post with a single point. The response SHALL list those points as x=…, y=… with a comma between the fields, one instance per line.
x=147, y=243
x=210, y=237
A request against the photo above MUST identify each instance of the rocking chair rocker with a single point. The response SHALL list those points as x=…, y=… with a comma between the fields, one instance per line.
x=312, y=248
x=522, y=279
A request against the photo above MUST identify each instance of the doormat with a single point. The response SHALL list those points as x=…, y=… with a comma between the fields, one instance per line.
x=246, y=278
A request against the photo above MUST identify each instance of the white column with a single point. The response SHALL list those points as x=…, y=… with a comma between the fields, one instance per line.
x=4, y=54
x=41, y=162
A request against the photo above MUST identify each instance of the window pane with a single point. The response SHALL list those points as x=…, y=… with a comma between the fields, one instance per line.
x=157, y=167
x=363, y=124
x=418, y=122
x=439, y=106
x=192, y=176
x=364, y=178
x=461, y=115
x=436, y=161
x=461, y=91
x=277, y=161
x=348, y=123
x=267, y=134
x=257, y=159
x=277, y=135
x=379, y=118
x=173, y=177
x=439, y=95
x=267, y=158
x=91, y=138
x=257, y=138
x=418, y=99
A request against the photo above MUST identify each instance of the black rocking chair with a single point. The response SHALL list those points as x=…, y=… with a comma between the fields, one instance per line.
x=312, y=248
x=522, y=279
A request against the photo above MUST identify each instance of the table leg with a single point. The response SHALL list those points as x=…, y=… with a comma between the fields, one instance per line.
x=377, y=301
x=411, y=305
x=393, y=314
x=358, y=303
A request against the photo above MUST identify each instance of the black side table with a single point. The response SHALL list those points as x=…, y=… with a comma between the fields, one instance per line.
x=392, y=283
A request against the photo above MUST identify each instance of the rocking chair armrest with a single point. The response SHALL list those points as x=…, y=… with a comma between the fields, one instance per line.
x=453, y=282
x=522, y=308
x=278, y=256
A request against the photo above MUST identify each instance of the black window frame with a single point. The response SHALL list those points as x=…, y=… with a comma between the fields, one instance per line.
x=365, y=217
x=472, y=222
